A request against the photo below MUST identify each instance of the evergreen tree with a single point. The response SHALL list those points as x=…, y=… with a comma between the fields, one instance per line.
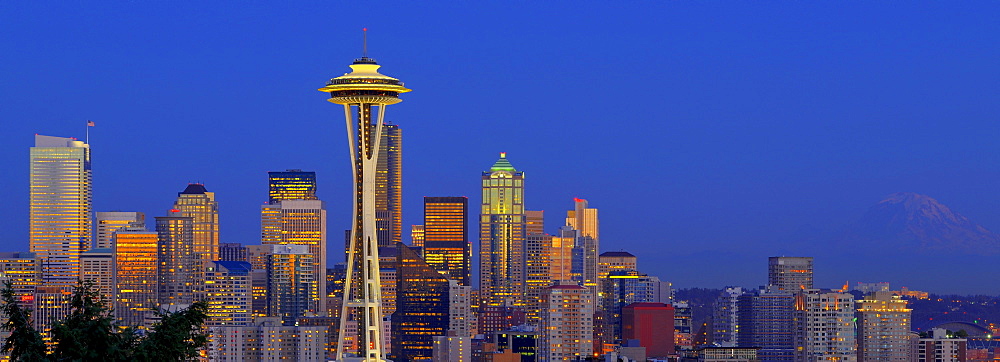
x=90, y=332
x=24, y=343
x=177, y=337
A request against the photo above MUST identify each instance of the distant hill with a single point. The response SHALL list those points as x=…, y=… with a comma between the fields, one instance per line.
x=914, y=223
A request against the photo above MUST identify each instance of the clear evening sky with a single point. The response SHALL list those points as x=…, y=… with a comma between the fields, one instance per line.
x=707, y=133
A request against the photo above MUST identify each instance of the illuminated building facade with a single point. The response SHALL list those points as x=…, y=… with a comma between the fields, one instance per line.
x=941, y=347
x=417, y=235
x=267, y=339
x=567, y=326
x=110, y=221
x=561, y=255
x=299, y=222
x=389, y=187
x=60, y=207
x=584, y=219
x=422, y=307
x=725, y=317
x=790, y=273
x=257, y=256
x=178, y=265
x=459, y=309
x=291, y=283
x=365, y=94
x=200, y=205
x=22, y=271
x=824, y=326
x=136, y=265
x=501, y=233
x=446, y=237
x=537, y=250
x=612, y=261
x=291, y=185
x=534, y=222
x=51, y=305
x=232, y=252
x=228, y=287
x=98, y=266
x=883, y=323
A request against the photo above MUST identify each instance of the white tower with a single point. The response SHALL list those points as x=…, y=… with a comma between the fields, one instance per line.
x=362, y=92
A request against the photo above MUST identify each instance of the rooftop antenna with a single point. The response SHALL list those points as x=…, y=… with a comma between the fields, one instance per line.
x=364, y=51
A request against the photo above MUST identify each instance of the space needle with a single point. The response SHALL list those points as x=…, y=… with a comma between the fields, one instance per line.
x=364, y=93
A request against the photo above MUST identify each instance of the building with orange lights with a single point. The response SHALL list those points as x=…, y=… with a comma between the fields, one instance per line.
x=790, y=273
x=446, y=240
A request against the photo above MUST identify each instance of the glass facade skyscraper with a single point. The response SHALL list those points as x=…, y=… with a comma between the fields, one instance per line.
x=299, y=222
x=291, y=185
x=422, y=306
x=199, y=204
x=446, y=240
x=179, y=267
x=60, y=207
x=501, y=233
x=389, y=187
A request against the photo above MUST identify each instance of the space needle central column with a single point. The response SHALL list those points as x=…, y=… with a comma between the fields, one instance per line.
x=364, y=93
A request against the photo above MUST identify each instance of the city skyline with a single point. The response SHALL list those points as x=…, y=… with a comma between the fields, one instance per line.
x=739, y=183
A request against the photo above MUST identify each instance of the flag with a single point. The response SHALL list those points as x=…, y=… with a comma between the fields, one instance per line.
x=90, y=123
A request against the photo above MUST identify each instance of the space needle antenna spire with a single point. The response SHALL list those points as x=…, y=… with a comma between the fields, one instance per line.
x=364, y=49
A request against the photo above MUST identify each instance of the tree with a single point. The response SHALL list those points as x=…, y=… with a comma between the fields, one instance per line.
x=177, y=337
x=24, y=343
x=90, y=332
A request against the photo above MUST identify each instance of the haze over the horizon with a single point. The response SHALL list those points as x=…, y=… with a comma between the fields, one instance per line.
x=711, y=135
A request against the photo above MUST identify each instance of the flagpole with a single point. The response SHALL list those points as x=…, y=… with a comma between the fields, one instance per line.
x=88, y=132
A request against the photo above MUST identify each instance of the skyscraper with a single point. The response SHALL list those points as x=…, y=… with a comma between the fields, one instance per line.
x=291, y=185
x=291, y=287
x=417, y=235
x=60, y=207
x=790, y=273
x=110, y=221
x=584, y=219
x=136, y=265
x=501, y=233
x=422, y=307
x=363, y=92
x=567, y=325
x=200, y=205
x=228, y=291
x=824, y=326
x=446, y=237
x=299, y=222
x=883, y=322
x=766, y=320
x=389, y=187
x=178, y=265
x=725, y=321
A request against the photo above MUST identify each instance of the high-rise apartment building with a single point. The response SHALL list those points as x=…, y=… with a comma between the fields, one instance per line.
x=446, y=237
x=422, y=307
x=199, y=204
x=110, y=221
x=291, y=287
x=725, y=317
x=178, y=264
x=299, y=222
x=940, y=346
x=389, y=187
x=60, y=207
x=567, y=326
x=584, y=219
x=883, y=323
x=790, y=273
x=537, y=273
x=824, y=326
x=228, y=292
x=136, y=266
x=501, y=233
x=767, y=320
x=267, y=339
x=98, y=266
x=291, y=185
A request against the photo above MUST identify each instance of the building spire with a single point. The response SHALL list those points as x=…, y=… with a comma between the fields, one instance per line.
x=364, y=50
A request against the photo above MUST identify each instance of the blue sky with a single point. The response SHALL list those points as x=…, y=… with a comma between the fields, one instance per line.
x=697, y=128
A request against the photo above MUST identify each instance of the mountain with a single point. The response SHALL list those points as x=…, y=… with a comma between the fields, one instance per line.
x=920, y=224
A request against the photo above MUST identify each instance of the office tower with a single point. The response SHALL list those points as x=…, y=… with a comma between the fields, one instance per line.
x=567, y=325
x=136, y=264
x=623, y=288
x=389, y=187
x=452, y=348
x=21, y=269
x=178, y=264
x=291, y=283
x=790, y=273
x=388, y=279
x=266, y=339
x=766, y=320
x=59, y=212
x=291, y=185
x=299, y=222
x=228, y=291
x=883, y=323
x=584, y=219
x=939, y=346
x=459, y=309
x=257, y=256
x=492, y=318
x=561, y=255
x=422, y=306
x=501, y=233
x=200, y=205
x=110, y=221
x=537, y=262
x=446, y=237
x=51, y=304
x=417, y=236
x=233, y=252
x=258, y=292
x=725, y=317
x=534, y=222
x=650, y=323
x=362, y=92
x=98, y=266
x=824, y=326
x=612, y=261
